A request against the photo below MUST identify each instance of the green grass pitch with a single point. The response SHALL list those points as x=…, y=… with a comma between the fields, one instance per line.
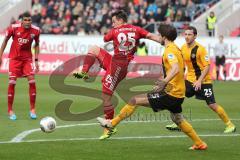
x=135, y=140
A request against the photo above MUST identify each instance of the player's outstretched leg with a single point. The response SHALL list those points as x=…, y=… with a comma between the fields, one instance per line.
x=110, y=125
x=88, y=62
x=32, y=97
x=230, y=127
x=125, y=112
x=11, y=93
x=189, y=131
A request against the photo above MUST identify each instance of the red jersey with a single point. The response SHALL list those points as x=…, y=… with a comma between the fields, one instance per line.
x=125, y=40
x=22, y=40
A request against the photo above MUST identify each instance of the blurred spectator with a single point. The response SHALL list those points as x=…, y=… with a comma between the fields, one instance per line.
x=191, y=9
x=152, y=8
x=159, y=16
x=73, y=30
x=133, y=15
x=77, y=10
x=47, y=25
x=170, y=13
x=211, y=21
x=164, y=8
x=36, y=7
x=36, y=17
x=179, y=16
x=81, y=32
x=150, y=16
x=142, y=49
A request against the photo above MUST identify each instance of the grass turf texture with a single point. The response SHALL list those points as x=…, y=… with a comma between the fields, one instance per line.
x=71, y=144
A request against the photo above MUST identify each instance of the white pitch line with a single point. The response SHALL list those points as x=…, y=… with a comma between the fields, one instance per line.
x=122, y=138
x=24, y=134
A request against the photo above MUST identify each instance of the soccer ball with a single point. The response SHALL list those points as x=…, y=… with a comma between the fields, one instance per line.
x=48, y=124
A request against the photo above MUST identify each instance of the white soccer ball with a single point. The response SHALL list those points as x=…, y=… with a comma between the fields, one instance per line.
x=48, y=124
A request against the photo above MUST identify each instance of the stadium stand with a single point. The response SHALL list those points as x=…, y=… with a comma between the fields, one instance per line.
x=94, y=16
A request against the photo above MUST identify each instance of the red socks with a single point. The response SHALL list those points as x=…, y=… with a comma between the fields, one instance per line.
x=88, y=62
x=108, y=112
x=32, y=94
x=11, y=92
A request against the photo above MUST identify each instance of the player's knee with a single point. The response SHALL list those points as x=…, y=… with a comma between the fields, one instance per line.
x=213, y=106
x=106, y=99
x=31, y=79
x=12, y=80
x=94, y=50
x=177, y=118
x=132, y=101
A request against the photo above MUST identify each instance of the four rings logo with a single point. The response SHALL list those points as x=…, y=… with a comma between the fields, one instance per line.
x=22, y=41
x=233, y=70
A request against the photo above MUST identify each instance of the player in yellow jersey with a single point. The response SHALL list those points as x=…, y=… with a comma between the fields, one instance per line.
x=198, y=80
x=168, y=93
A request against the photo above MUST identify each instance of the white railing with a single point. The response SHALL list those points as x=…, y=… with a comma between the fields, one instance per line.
x=7, y=4
x=4, y=5
x=12, y=8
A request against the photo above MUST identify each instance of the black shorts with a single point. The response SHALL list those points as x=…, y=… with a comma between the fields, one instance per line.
x=220, y=61
x=206, y=92
x=161, y=101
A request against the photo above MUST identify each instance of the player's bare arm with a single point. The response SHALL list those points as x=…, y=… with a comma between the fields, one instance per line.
x=3, y=46
x=36, y=57
x=198, y=83
x=154, y=37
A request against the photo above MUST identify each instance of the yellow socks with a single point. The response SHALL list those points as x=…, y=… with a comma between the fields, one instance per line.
x=125, y=112
x=223, y=115
x=188, y=130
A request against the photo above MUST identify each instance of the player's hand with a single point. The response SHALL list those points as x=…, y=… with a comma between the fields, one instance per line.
x=36, y=67
x=197, y=85
x=159, y=85
x=0, y=61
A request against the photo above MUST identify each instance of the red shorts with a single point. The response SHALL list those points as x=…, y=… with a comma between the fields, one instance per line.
x=20, y=68
x=116, y=70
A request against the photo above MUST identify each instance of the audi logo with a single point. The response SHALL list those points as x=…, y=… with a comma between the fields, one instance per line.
x=232, y=69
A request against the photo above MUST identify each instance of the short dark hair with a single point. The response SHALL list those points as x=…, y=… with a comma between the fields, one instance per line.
x=168, y=31
x=121, y=14
x=26, y=14
x=193, y=29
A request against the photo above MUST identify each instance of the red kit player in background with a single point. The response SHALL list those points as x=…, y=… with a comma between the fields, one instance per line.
x=20, y=60
x=125, y=39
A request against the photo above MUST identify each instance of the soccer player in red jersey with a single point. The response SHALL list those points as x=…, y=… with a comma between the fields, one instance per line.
x=125, y=39
x=20, y=60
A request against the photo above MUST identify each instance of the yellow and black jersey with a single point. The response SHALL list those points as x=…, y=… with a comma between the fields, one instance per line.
x=196, y=59
x=171, y=55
